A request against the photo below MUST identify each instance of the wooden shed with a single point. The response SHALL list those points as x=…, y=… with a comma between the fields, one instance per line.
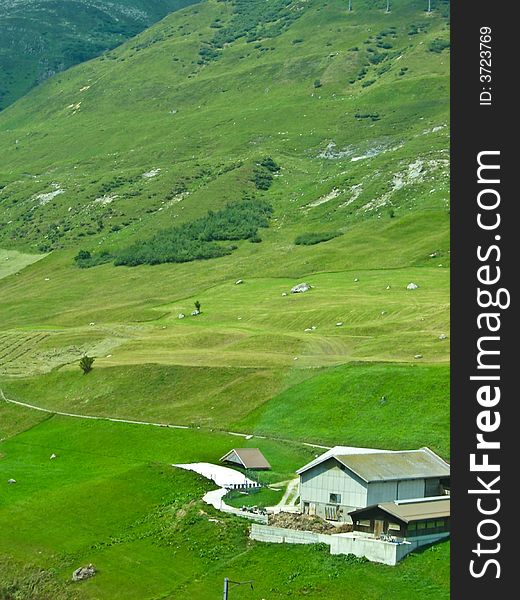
x=247, y=458
x=404, y=518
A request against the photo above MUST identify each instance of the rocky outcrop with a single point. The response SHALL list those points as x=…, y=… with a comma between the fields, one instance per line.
x=84, y=573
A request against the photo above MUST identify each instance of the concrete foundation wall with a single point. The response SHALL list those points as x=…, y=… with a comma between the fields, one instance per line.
x=374, y=550
x=279, y=535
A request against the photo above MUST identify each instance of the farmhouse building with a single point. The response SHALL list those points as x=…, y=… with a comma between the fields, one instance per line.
x=247, y=458
x=405, y=519
x=345, y=479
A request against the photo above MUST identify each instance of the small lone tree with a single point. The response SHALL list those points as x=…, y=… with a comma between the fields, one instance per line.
x=86, y=363
x=197, y=305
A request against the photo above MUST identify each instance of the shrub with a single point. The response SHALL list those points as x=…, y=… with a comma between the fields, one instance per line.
x=372, y=116
x=85, y=364
x=309, y=239
x=438, y=45
x=270, y=164
x=262, y=178
x=317, y=83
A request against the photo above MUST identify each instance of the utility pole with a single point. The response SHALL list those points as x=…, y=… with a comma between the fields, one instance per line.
x=227, y=586
x=350, y=5
x=429, y=6
x=387, y=6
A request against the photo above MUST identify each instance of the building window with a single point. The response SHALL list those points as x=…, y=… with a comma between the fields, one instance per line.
x=365, y=523
x=335, y=498
x=394, y=527
x=441, y=523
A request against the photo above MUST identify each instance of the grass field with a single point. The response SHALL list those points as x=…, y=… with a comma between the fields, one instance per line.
x=353, y=106
x=112, y=498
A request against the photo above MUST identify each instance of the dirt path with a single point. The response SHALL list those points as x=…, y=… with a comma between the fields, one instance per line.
x=131, y=422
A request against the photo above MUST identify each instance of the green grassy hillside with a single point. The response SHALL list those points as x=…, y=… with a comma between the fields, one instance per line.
x=158, y=136
x=39, y=38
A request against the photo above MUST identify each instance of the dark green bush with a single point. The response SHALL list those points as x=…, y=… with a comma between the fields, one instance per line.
x=270, y=164
x=199, y=239
x=309, y=239
x=438, y=45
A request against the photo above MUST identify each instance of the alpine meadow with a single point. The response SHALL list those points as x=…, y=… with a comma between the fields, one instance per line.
x=158, y=203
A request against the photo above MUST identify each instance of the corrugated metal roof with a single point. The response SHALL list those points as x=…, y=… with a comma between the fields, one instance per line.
x=391, y=466
x=250, y=458
x=338, y=451
x=420, y=510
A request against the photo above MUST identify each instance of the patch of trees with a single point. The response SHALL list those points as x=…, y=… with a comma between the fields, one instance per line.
x=309, y=239
x=198, y=240
x=252, y=21
x=263, y=173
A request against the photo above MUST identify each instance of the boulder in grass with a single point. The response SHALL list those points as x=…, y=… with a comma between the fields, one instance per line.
x=181, y=315
x=84, y=573
x=195, y=312
x=11, y=481
x=412, y=286
x=239, y=281
x=300, y=288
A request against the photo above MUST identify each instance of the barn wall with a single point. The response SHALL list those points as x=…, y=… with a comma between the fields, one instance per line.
x=410, y=489
x=327, y=478
x=381, y=491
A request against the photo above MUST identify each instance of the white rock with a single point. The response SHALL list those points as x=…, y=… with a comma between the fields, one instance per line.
x=53, y=456
x=181, y=316
x=387, y=287
x=412, y=286
x=442, y=336
x=195, y=312
x=356, y=279
x=92, y=323
x=339, y=324
x=284, y=293
x=308, y=330
x=418, y=356
x=300, y=288
x=11, y=481
x=239, y=281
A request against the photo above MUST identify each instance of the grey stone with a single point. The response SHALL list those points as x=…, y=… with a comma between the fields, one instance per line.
x=84, y=573
x=300, y=288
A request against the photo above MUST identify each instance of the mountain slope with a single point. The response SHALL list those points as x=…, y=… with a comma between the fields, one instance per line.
x=336, y=120
x=39, y=38
x=175, y=123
